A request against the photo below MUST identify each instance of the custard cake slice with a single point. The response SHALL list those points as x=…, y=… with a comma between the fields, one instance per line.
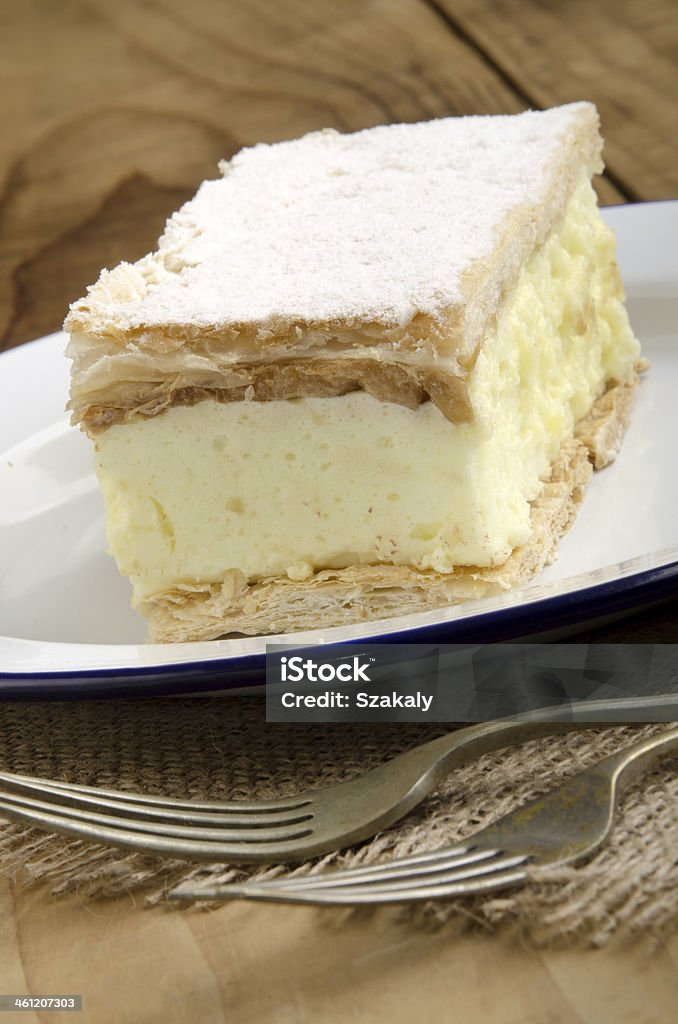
x=362, y=375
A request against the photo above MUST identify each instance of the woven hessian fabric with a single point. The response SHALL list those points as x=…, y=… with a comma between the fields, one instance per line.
x=221, y=747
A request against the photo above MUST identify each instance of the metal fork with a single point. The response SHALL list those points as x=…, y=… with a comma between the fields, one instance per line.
x=288, y=828
x=565, y=826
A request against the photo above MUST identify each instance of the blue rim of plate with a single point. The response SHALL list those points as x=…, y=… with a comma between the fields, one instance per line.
x=584, y=608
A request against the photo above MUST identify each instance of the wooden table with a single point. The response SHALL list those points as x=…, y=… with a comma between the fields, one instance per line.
x=114, y=113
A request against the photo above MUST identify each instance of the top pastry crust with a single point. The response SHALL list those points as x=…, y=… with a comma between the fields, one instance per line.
x=402, y=233
x=393, y=245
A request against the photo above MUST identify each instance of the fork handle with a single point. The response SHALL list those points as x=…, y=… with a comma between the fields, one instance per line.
x=570, y=823
x=428, y=764
x=624, y=767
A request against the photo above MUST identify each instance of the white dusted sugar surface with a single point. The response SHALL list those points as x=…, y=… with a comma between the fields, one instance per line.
x=375, y=225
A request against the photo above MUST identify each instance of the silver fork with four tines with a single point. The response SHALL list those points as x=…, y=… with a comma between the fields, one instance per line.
x=297, y=827
x=565, y=826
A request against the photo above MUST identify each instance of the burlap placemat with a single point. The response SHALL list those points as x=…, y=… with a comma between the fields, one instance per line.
x=221, y=747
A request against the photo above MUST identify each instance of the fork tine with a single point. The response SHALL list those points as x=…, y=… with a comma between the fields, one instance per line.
x=350, y=896
x=143, y=842
x=428, y=863
x=489, y=862
x=64, y=797
x=26, y=782
x=287, y=830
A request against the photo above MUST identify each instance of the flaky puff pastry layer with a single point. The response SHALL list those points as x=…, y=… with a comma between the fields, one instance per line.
x=376, y=261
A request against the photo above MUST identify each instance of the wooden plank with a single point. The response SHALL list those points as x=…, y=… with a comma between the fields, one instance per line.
x=621, y=55
x=113, y=124
x=258, y=964
x=93, y=172
x=12, y=974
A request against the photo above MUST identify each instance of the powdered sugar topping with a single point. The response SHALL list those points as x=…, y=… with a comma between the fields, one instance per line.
x=378, y=225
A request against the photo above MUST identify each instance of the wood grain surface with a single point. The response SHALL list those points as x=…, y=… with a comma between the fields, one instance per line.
x=621, y=54
x=252, y=964
x=112, y=114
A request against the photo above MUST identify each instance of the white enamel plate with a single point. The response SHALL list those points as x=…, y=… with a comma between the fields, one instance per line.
x=65, y=618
